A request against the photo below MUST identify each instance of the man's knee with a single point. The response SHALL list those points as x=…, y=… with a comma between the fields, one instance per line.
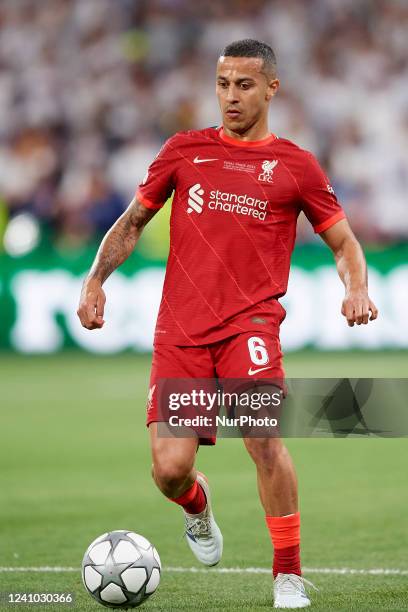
x=169, y=473
x=265, y=451
x=173, y=460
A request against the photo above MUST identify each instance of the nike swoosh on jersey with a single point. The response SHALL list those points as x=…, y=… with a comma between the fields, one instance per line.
x=197, y=160
x=251, y=371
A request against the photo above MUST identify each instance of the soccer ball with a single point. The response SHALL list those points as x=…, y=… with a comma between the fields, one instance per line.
x=121, y=569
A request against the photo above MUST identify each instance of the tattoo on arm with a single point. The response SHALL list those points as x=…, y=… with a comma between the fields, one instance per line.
x=120, y=240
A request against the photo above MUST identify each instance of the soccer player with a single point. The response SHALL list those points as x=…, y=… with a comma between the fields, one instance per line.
x=238, y=190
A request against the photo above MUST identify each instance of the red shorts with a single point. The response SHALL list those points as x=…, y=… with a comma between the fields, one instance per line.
x=249, y=356
x=244, y=358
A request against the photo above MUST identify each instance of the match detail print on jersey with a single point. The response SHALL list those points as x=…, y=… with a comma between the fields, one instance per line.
x=232, y=230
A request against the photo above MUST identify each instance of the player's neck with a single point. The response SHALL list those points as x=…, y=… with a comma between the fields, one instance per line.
x=254, y=133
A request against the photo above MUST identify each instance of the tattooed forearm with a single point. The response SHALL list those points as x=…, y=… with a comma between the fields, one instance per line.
x=120, y=240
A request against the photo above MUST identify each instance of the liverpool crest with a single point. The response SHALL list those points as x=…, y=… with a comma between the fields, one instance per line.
x=268, y=168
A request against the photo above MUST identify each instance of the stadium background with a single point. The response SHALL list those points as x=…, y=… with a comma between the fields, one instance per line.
x=89, y=90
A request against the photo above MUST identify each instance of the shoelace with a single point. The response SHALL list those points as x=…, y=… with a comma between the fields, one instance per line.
x=288, y=582
x=310, y=583
x=198, y=526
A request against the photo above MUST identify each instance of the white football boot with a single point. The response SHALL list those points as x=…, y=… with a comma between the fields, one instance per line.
x=289, y=591
x=202, y=532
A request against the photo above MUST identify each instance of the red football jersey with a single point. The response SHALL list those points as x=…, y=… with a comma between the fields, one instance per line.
x=232, y=230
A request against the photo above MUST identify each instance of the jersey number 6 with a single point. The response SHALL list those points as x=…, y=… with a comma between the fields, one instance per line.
x=257, y=351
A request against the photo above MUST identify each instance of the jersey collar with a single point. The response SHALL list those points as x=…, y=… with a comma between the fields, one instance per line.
x=246, y=143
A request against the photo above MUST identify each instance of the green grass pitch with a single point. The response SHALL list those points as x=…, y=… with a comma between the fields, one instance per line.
x=75, y=463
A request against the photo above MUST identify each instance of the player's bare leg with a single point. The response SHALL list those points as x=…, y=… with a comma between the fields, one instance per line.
x=278, y=492
x=175, y=475
x=173, y=462
x=277, y=482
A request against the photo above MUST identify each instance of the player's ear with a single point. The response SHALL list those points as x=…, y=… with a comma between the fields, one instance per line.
x=272, y=89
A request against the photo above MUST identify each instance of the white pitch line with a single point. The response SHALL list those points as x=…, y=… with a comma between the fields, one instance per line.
x=226, y=570
x=305, y=570
x=45, y=569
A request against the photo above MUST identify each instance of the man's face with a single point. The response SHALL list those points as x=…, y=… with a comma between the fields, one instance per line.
x=243, y=91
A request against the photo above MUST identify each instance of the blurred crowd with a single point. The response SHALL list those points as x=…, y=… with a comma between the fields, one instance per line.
x=89, y=90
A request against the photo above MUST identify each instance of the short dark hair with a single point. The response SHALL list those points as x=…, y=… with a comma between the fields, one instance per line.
x=253, y=48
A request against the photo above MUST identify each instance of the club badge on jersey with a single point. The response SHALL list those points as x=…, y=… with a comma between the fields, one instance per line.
x=268, y=167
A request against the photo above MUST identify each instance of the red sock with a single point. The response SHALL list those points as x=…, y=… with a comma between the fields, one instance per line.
x=193, y=500
x=285, y=536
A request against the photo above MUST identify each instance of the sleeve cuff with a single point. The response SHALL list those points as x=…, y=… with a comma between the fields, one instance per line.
x=329, y=222
x=147, y=203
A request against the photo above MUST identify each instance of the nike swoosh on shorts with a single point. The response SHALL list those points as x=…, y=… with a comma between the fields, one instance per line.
x=251, y=371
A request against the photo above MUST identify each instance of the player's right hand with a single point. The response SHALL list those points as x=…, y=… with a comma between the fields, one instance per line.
x=92, y=305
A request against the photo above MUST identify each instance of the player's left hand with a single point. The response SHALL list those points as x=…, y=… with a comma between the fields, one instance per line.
x=357, y=306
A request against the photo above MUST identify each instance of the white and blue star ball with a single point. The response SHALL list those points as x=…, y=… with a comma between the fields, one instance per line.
x=121, y=569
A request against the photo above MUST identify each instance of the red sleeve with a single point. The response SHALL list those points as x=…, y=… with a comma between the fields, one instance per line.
x=319, y=202
x=159, y=181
